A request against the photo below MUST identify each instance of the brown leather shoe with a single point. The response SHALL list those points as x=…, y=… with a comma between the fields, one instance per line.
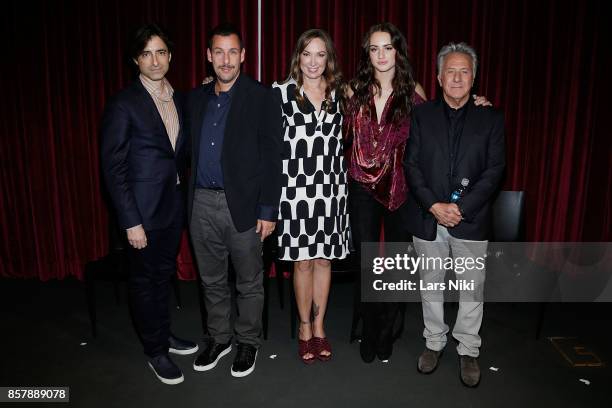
x=428, y=361
x=470, y=371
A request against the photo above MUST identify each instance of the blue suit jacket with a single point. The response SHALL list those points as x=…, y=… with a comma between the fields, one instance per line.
x=138, y=162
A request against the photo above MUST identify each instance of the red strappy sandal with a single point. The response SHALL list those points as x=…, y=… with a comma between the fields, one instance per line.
x=305, y=347
x=321, y=344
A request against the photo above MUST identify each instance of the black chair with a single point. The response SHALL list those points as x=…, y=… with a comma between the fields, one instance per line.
x=113, y=268
x=270, y=253
x=508, y=216
x=509, y=226
x=270, y=257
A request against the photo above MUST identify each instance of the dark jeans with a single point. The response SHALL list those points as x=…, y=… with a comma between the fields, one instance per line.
x=367, y=215
x=151, y=271
x=214, y=238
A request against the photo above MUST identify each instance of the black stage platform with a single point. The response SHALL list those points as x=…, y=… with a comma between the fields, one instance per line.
x=46, y=341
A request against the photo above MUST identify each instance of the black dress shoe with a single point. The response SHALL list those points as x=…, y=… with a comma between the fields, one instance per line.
x=181, y=346
x=384, y=346
x=213, y=352
x=384, y=353
x=367, y=350
x=244, y=363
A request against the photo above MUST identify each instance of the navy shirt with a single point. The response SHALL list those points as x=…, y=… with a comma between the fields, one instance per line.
x=209, y=171
x=210, y=174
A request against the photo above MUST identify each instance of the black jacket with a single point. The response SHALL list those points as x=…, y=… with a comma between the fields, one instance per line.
x=251, y=153
x=480, y=157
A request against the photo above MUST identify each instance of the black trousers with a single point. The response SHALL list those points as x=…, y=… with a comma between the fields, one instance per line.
x=367, y=216
x=151, y=271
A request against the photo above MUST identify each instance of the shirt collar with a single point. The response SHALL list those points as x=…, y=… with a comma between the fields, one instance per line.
x=163, y=92
x=455, y=113
x=225, y=94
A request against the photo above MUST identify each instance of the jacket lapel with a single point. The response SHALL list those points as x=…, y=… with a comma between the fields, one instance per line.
x=440, y=129
x=196, y=127
x=233, y=116
x=152, y=112
x=469, y=128
x=179, y=110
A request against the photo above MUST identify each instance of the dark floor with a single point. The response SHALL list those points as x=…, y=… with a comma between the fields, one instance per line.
x=47, y=341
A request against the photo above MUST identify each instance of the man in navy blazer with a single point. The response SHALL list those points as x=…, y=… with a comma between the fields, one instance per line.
x=143, y=161
x=234, y=193
x=454, y=146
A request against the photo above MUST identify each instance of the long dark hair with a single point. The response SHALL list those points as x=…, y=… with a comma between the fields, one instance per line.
x=365, y=82
x=332, y=73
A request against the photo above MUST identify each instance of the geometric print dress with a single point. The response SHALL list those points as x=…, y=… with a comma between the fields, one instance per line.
x=313, y=220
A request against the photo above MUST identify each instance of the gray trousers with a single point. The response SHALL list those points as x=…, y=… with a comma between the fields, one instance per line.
x=214, y=238
x=469, y=315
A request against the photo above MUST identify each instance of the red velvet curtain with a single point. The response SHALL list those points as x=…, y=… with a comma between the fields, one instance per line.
x=542, y=63
x=63, y=59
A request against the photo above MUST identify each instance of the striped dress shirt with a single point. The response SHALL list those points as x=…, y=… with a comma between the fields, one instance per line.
x=162, y=96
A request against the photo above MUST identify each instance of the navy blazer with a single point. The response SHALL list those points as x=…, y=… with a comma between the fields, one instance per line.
x=138, y=162
x=481, y=158
x=251, y=153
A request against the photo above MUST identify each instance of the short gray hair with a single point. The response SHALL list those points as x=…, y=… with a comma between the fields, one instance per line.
x=462, y=48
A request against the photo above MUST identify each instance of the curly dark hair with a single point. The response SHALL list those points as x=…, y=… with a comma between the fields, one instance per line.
x=332, y=73
x=365, y=82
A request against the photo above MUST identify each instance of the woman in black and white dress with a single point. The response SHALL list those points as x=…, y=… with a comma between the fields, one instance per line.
x=313, y=221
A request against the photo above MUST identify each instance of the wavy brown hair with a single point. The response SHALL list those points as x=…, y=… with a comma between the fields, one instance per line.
x=365, y=82
x=332, y=73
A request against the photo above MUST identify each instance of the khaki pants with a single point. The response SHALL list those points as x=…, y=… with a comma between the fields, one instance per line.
x=469, y=315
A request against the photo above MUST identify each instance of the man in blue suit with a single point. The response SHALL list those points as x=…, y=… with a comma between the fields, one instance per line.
x=143, y=160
